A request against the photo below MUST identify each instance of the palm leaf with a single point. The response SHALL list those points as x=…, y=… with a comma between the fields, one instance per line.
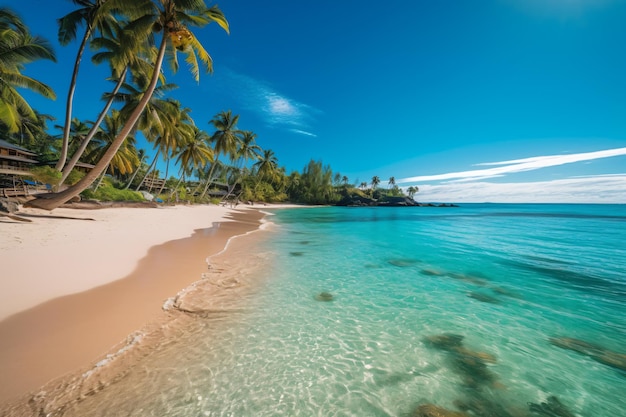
x=19, y=80
x=214, y=14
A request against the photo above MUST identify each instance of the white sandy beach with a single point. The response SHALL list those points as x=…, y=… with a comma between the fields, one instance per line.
x=71, y=289
x=52, y=257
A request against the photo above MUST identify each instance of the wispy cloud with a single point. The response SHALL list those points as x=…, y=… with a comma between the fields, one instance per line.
x=513, y=166
x=593, y=189
x=276, y=109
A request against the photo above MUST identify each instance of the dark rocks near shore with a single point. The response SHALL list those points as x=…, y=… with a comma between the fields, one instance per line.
x=324, y=296
x=385, y=201
x=551, y=408
x=470, y=365
x=482, y=297
x=593, y=351
x=478, y=400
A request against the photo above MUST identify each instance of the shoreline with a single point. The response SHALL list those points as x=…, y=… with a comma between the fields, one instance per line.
x=54, y=344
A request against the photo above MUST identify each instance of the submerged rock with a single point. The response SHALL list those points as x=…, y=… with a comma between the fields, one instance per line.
x=296, y=253
x=552, y=408
x=432, y=272
x=482, y=297
x=595, y=352
x=445, y=341
x=469, y=364
x=505, y=292
x=471, y=279
x=403, y=262
x=324, y=296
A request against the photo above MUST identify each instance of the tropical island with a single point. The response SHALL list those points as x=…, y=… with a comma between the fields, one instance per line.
x=45, y=162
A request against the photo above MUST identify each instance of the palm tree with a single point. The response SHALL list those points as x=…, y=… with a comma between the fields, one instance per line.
x=171, y=17
x=363, y=185
x=412, y=191
x=178, y=130
x=248, y=149
x=392, y=182
x=96, y=17
x=31, y=131
x=192, y=154
x=156, y=122
x=125, y=159
x=375, y=182
x=18, y=48
x=225, y=139
x=345, y=180
x=121, y=55
x=267, y=165
x=142, y=156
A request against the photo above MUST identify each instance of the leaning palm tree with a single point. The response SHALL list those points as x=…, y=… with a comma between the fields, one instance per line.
x=412, y=190
x=172, y=18
x=17, y=49
x=96, y=17
x=120, y=50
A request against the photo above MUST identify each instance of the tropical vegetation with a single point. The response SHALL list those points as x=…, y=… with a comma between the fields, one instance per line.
x=135, y=39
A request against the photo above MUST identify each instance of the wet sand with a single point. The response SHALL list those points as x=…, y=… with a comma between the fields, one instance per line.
x=62, y=340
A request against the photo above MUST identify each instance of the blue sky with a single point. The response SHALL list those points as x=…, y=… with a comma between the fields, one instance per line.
x=470, y=100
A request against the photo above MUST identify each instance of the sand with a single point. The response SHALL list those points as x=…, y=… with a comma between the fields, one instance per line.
x=74, y=290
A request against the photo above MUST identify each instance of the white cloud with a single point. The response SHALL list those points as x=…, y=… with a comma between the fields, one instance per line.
x=303, y=132
x=610, y=188
x=516, y=165
x=276, y=109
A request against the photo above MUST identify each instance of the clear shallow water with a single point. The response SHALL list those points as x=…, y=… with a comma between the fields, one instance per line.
x=505, y=277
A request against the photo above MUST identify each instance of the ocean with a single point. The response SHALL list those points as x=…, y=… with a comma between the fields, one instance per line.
x=487, y=309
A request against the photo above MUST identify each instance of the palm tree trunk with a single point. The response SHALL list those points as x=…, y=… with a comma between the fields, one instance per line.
x=150, y=168
x=209, y=179
x=70, y=100
x=81, y=149
x=167, y=168
x=195, y=190
x=57, y=199
x=180, y=180
x=132, y=178
x=99, y=183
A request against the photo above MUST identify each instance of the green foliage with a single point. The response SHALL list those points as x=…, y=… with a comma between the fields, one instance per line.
x=107, y=192
x=74, y=177
x=47, y=175
x=315, y=185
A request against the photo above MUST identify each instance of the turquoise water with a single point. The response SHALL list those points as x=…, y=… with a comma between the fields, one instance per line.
x=507, y=278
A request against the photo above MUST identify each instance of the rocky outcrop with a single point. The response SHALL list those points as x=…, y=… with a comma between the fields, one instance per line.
x=8, y=206
x=356, y=200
